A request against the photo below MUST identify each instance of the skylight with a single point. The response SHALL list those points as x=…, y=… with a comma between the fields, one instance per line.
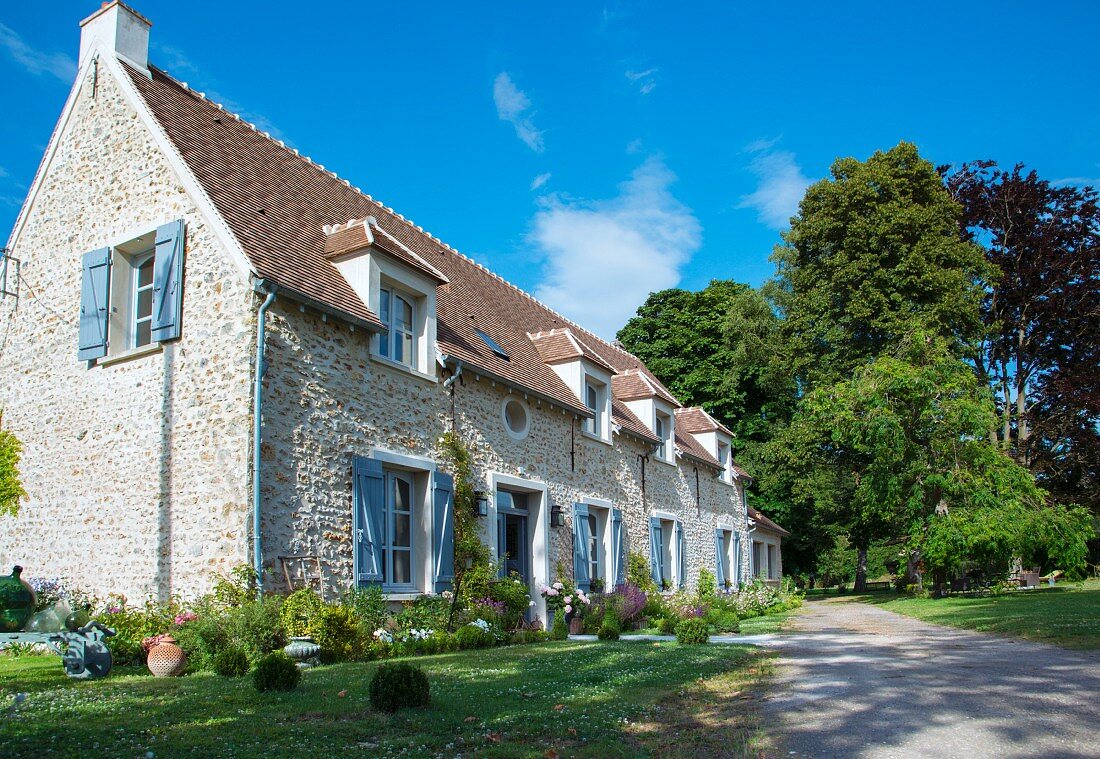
x=493, y=345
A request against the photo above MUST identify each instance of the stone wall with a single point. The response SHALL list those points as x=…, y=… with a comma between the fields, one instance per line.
x=137, y=472
x=328, y=400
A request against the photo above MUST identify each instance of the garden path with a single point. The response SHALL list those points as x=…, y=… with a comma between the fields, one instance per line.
x=854, y=680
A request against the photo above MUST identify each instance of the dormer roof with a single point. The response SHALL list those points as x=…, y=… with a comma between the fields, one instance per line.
x=697, y=421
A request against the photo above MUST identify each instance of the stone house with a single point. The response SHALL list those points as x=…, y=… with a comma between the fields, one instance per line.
x=218, y=352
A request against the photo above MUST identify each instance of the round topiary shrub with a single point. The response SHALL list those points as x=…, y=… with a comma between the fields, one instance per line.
x=472, y=636
x=692, y=630
x=560, y=630
x=276, y=671
x=609, y=630
x=399, y=686
x=231, y=662
x=666, y=626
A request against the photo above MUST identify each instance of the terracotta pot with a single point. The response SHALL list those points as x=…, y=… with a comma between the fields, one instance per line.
x=166, y=659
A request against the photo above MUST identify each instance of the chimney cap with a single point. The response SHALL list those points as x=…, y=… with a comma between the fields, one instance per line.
x=108, y=5
x=119, y=30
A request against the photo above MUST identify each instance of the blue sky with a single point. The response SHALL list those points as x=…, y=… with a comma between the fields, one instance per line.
x=590, y=152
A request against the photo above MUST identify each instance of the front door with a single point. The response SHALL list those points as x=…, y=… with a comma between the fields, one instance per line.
x=516, y=547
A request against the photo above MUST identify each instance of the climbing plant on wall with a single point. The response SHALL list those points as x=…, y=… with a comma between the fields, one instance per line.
x=11, y=489
x=469, y=550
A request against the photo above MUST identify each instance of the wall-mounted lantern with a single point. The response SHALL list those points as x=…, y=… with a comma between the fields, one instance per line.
x=557, y=516
x=481, y=503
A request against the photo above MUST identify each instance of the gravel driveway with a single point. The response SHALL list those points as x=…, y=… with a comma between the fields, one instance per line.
x=854, y=680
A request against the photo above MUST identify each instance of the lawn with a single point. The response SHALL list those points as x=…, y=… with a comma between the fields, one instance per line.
x=1067, y=615
x=556, y=699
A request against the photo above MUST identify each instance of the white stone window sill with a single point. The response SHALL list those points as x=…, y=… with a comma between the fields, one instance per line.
x=407, y=595
x=390, y=363
x=130, y=355
x=595, y=437
x=670, y=462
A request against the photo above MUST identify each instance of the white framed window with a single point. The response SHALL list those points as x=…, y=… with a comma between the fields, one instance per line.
x=725, y=458
x=663, y=429
x=397, y=557
x=516, y=417
x=141, y=297
x=397, y=310
x=759, y=569
x=596, y=399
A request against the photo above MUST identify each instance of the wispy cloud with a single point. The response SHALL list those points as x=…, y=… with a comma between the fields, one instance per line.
x=177, y=63
x=1078, y=181
x=35, y=61
x=3, y=172
x=540, y=180
x=514, y=106
x=638, y=240
x=645, y=80
x=780, y=187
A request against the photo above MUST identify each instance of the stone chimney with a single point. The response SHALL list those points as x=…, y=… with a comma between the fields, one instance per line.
x=116, y=29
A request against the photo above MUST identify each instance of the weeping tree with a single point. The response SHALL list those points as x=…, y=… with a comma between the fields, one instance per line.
x=11, y=488
x=900, y=449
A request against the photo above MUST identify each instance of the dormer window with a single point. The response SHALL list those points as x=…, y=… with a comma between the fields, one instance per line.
x=595, y=397
x=662, y=428
x=397, y=310
x=726, y=460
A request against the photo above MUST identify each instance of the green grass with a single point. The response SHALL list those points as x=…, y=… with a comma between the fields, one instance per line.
x=578, y=699
x=1067, y=615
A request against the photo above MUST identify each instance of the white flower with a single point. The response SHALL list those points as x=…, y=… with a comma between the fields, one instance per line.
x=568, y=609
x=568, y=599
x=383, y=635
x=447, y=595
x=558, y=586
x=481, y=624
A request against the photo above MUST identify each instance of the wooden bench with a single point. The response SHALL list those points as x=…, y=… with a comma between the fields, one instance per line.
x=879, y=585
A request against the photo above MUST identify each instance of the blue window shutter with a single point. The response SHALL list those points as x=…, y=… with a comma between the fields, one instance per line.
x=168, y=281
x=618, y=547
x=581, y=537
x=682, y=551
x=719, y=574
x=656, y=555
x=443, y=531
x=501, y=541
x=737, y=560
x=368, y=519
x=95, y=291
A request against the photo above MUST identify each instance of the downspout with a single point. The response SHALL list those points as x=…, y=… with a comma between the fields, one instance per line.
x=257, y=427
x=449, y=384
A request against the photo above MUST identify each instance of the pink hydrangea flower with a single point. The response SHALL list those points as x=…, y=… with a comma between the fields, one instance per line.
x=568, y=609
x=568, y=599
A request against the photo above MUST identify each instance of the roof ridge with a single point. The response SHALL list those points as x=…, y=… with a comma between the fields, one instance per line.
x=606, y=343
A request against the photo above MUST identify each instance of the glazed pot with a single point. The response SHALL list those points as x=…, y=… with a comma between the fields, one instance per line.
x=166, y=659
x=301, y=649
x=16, y=601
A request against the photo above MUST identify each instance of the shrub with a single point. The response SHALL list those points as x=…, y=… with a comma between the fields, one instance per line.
x=692, y=630
x=530, y=636
x=472, y=636
x=560, y=630
x=667, y=625
x=369, y=604
x=231, y=662
x=514, y=594
x=235, y=589
x=707, y=584
x=655, y=606
x=610, y=628
x=638, y=573
x=399, y=686
x=132, y=624
x=633, y=601
x=337, y=631
x=203, y=639
x=276, y=671
x=256, y=626
x=298, y=611
x=723, y=621
x=425, y=613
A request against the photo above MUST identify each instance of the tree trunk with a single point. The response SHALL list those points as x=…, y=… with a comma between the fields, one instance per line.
x=861, y=569
x=912, y=570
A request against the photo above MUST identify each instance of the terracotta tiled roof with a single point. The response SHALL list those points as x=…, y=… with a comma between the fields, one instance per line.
x=277, y=204
x=560, y=345
x=695, y=420
x=692, y=449
x=763, y=523
x=633, y=384
x=631, y=423
x=359, y=234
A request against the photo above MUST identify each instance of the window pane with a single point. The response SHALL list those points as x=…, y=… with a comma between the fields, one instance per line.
x=143, y=334
x=401, y=496
x=402, y=567
x=384, y=307
x=145, y=273
x=401, y=526
x=144, y=303
x=406, y=348
x=590, y=400
x=404, y=315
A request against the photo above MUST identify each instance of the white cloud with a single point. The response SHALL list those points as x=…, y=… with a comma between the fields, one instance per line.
x=781, y=184
x=35, y=61
x=3, y=172
x=604, y=257
x=540, y=180
x=646, y=80
x=514, y=107
x=1078, y=181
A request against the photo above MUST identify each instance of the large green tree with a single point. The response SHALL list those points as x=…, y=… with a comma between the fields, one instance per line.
x=873, y=254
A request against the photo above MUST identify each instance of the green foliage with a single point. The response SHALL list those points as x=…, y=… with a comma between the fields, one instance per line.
x=610, y=628
x=369, y=604
x=723, y=620
x=11, y=488
x=299, y=610
x=134, y=623
x=513, y=592
x=530, y=636
x=667, y=625
x=472, y=636
x=336, y=629
x=203, y=639
x=707, y=584
x=231, y=662
x=256, y=626
x=692, y=630
x=425, y=613
x=560, y=630
x=638, y=572
x=399, y=686
x=276, y=671
x=468, y=546
x=235, y=589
